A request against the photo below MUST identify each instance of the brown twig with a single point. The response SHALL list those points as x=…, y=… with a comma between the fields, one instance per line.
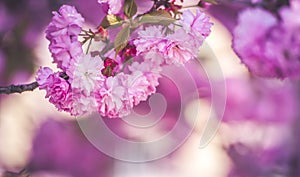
x=18, y=88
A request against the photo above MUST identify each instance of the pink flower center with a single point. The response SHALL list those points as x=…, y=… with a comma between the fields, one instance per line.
x=109, y=66
x=128, y=52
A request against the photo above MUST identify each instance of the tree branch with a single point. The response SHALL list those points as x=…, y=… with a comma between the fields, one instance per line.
x=18, y=88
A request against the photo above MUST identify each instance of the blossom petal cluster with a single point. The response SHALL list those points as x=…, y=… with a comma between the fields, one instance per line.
x=267, y=44
x=113, y=83
x=63, y=33
x=178, y=47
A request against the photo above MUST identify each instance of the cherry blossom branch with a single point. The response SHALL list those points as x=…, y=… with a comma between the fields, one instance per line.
x=18, y=88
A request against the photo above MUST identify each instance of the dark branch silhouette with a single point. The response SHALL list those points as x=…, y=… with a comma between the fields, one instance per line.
x=18, y=88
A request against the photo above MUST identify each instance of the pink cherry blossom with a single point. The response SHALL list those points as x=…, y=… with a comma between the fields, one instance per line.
x=60, y=93
x=180, y=48
x=42, y=76
x=150, y=38
x=65, y=51
x=176, y=48
x=112, y=97
x=65, y=22
x=81, y=104
x=114, y=83
x=86, y=75
x=198, y=25
x=57, y=88
x=137, y=84
x=62, y=33
x=150, y=72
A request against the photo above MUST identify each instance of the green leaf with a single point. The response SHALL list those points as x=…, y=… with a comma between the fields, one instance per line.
x=158, y=17
x=111, y=21
x=130, y=8
x=122, y=39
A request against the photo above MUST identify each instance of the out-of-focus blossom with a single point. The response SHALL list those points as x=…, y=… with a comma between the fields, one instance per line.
x=49, y=174
x=258, y=19
x=261, y=162
x=273, y=49
x=6, y=21
x=59, y=148
x=251, y=49
x=1, y=171
x=91, y=11
x=257, y=100
x=143, y=6
x=2, y=63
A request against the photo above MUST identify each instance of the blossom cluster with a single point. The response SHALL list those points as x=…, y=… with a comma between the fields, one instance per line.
x=267, y=42
x=114, y=81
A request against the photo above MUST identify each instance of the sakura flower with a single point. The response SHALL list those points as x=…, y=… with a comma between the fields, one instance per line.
x=112, y=97
x=198, y=25
x=152, y=62
x=56, y=139
x=57, y=88
x=82, y=105
x=150, y=72
x=62, y=33
x=62, y=95
x=150, y=38
x=42, y=76
x=65, y=22
x=138, y=87
x=65, y=51
x=290, y=14
x=87, y=75
x=176, y=48
x=179, y=48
